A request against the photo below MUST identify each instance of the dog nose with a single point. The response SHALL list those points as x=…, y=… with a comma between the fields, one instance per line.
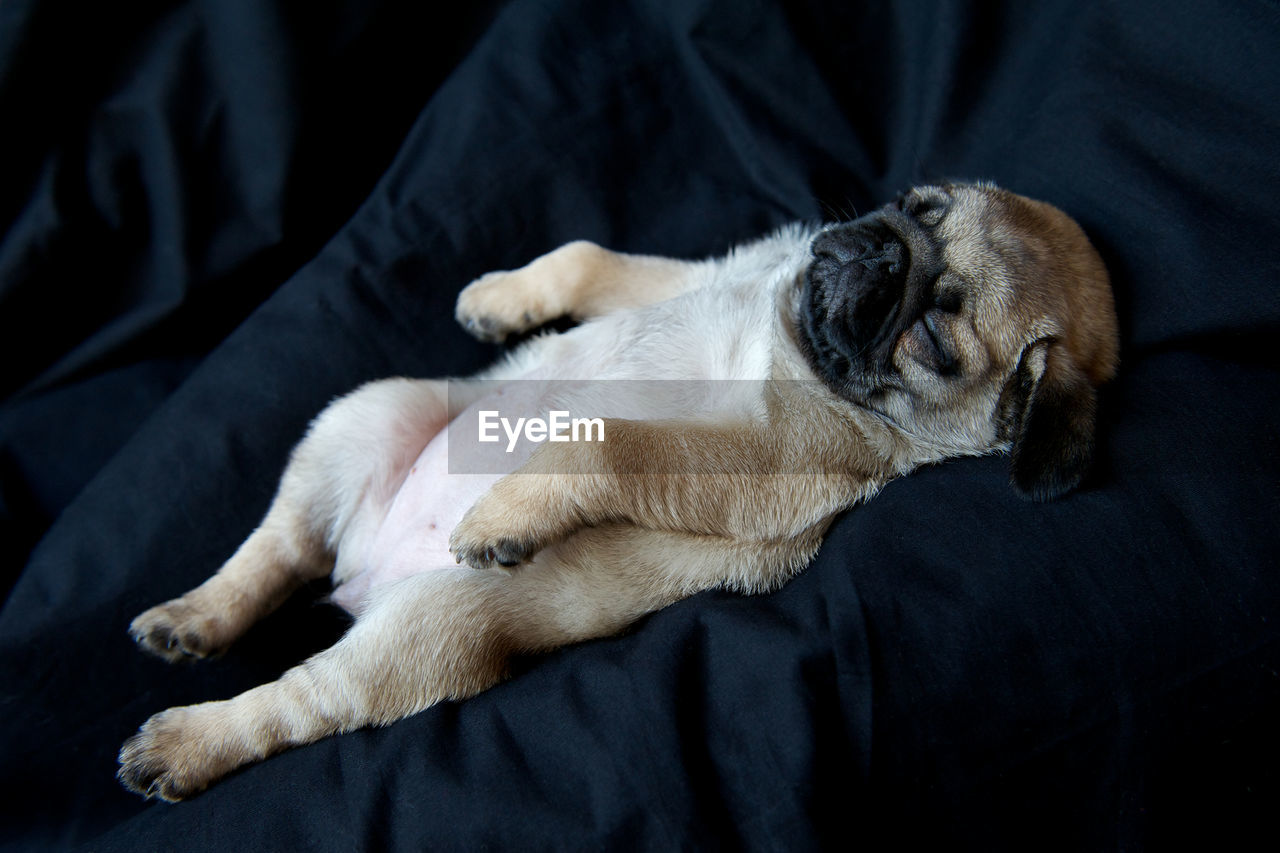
x=873, y=250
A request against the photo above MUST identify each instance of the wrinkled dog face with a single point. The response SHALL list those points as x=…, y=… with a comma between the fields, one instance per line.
x=964, y=314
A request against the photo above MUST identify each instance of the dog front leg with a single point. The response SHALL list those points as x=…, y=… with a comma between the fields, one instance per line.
x=579, y=280
x=737, y=482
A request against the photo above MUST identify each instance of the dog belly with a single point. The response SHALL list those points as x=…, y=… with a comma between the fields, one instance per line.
x=412, y=533
x=409, y=531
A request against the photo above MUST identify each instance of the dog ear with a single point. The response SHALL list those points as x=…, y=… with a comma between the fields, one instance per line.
x=1048, y=413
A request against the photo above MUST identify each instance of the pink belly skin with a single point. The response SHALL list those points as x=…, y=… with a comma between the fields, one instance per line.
x=413, y=535
x=409, y=532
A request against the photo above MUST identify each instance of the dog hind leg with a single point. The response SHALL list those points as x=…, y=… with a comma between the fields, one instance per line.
x=345, y=464
x=426, y=638
x=448, y=634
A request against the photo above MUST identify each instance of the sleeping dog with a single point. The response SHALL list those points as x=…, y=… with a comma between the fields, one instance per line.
x=960, y=320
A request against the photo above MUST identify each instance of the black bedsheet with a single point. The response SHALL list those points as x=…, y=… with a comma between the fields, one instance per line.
x=218, y=215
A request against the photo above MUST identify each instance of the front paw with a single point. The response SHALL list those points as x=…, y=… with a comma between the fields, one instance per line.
x=171, y=757
x=479, y=553
x=485, y=539
x=515, y=519
x=501, y=304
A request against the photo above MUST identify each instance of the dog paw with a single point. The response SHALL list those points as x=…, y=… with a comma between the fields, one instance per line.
x=496, y=532
x=167, y=759
x=520, y=515
x=178, y=631
x=505, y=553
x=498, y=305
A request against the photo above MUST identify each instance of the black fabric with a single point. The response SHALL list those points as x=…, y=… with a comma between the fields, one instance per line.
x=217, y=215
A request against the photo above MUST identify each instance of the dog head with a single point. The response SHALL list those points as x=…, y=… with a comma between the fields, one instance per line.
x=970, y=318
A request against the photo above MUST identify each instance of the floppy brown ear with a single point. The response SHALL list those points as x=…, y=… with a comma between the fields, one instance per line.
x=1048, y=412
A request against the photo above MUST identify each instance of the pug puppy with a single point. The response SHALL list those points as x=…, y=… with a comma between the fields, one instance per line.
x=962, y=319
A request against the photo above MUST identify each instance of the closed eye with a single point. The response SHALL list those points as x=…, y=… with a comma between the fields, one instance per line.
x=927, y=209
x=949, y=301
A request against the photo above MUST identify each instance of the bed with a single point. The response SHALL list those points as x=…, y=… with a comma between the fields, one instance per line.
x=217, y=216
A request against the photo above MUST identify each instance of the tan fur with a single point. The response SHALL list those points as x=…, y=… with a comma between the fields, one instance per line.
x=578, y=280
x=606, y=532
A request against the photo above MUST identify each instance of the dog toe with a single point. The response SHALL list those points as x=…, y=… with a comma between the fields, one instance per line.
x=505, y=553
x=484, y=328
